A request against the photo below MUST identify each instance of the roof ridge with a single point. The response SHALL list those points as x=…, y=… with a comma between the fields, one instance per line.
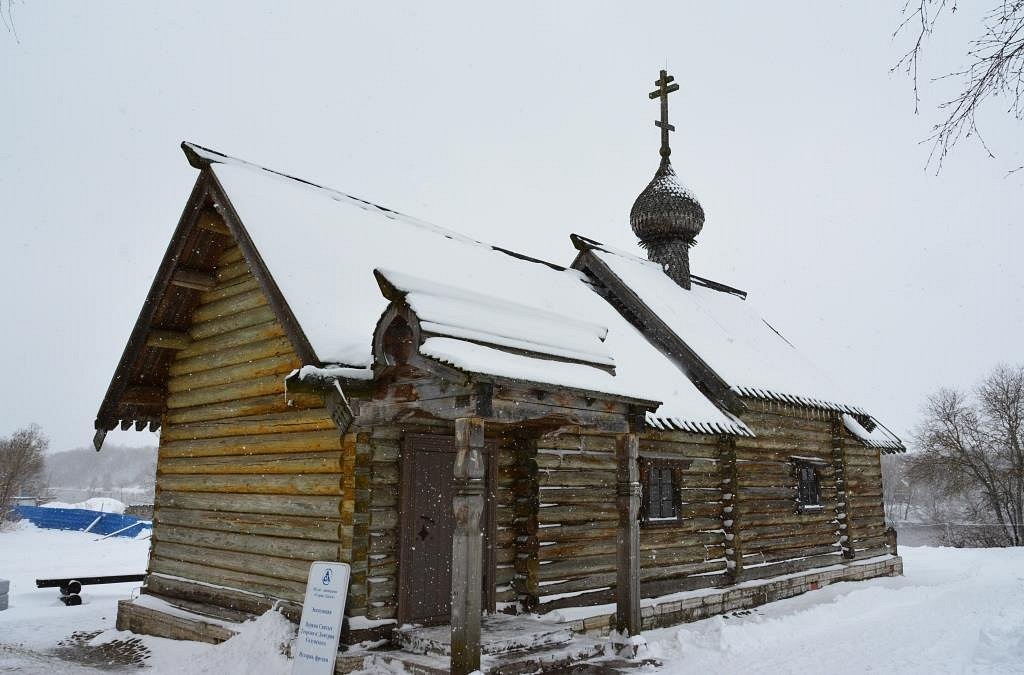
x=202, y=157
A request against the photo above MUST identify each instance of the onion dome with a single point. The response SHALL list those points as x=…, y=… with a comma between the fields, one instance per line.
x=666, y=209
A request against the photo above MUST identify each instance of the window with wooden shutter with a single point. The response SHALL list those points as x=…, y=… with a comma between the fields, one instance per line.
x=808, y=488
x=660, y=482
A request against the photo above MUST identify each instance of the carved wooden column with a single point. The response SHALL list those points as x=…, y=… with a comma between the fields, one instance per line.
x=467, y=544
x=627, y=583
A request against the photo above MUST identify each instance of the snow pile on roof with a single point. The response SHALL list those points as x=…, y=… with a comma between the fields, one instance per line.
x=322, y=247
x=880, y=437
x=99, y=504
x=458, y=312
x=729, y=335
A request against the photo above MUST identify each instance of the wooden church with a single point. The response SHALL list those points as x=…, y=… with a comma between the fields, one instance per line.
x=516, y=457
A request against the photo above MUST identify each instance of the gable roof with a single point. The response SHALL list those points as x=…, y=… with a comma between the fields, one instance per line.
x=484, y=309
x=722, y=328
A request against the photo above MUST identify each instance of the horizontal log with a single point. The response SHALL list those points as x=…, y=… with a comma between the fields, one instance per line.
x=260, y=386
x=168, y=339
x=298, y=463
x=776, y=423
x=779, y=555
x=227, y=289
x=789, y=542
x=196, y=280
x=790, y=566
x=231, y=271
x=225, y=342
x=578, y=442
x=654, y=588
x=577, y=532
x=786, y=517
x=284, y=568
x=784, y=454
x=577, y=513
x=876, y=541
x=548, y=460
x=576, y=585
x=231, y=579
x=286, y=547
x=576, y=478
x=288, y=484
x=291, y=421
x=677, y=450
x=575, y=495
x=293, y=442
x=273, y=525
x=693, y=542
x=229, y=306
x=232, y=322
x=244, y=604
x=278, y=365
x=285, y=505
x=256, y=405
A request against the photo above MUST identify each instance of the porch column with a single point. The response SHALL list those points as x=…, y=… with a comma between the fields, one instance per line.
x=627, y=583
x=467, y=562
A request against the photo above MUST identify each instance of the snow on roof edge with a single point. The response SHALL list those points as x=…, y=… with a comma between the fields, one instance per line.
x=881, y=438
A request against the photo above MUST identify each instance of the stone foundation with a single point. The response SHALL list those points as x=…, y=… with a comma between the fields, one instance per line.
x=687, y=606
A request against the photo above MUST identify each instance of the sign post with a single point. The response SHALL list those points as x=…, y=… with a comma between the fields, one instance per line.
x=316, y=646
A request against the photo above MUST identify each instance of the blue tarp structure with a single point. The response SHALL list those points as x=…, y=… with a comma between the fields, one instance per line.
x=80, y=519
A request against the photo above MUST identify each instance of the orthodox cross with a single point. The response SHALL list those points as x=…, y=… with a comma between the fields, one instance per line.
x=665, y=87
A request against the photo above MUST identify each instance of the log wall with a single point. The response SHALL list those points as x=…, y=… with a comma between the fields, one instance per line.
x=567, y=556
x=249, y=485
x=771, y=537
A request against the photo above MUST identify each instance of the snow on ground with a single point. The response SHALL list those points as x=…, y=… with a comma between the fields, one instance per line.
x=955, y=611
x=36, y=622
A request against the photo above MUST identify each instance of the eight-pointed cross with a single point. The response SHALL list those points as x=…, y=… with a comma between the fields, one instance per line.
x=665, y=87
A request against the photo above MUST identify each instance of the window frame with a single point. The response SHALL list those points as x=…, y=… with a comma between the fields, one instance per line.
x=799, y=464
x=676, y=467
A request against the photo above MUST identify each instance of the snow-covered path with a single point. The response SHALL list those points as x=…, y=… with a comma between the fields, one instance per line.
x=955, y=611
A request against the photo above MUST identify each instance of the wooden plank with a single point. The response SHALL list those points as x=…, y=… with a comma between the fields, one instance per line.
x=285, y=505
x=286, y=569
x=232, y=322
x=224, y=342
x=250, y=370
x=168, y=339
x=205, y=594
x=196, y=280
x=311, y=419
x=260, y=386
x=231, y=305
x=304, y=463
x=301, y=441
x=286, y=547
x=288, y=484
x=273, y=525
x=254, y=582
x=234, y=408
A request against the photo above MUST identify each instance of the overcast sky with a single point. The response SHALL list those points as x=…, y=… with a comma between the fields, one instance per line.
x=516, y=127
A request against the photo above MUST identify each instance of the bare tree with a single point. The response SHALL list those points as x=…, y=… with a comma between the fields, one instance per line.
x=972, y=446
x=21, y=464
x=995, y=68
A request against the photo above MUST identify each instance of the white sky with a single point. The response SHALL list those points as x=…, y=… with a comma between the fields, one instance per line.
x=516, y=127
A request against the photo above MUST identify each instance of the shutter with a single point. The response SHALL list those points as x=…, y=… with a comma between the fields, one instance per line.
x=654, y=493
x=667, y=495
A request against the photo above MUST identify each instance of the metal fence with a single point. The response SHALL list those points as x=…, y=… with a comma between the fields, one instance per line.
x=83, y=520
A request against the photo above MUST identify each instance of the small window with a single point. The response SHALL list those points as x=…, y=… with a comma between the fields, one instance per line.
x=660, y=503
x=808, y=493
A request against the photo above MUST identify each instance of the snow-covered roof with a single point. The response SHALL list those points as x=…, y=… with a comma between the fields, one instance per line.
x=879, y=437
x=482, y=306
x=726, y=332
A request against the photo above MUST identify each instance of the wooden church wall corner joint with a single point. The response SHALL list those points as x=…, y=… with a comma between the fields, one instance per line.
x=520, y=437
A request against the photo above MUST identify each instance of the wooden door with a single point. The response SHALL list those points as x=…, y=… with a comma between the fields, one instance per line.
x=428, y=523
